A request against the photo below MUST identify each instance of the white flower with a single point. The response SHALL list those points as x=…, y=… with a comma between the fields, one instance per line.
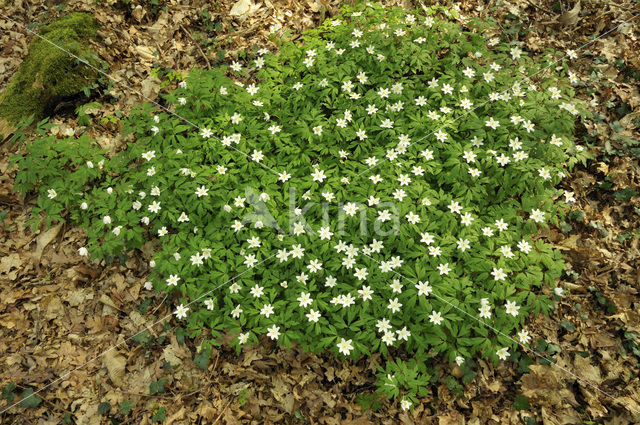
x=305, y=299
x=51, y=193
x=361, y=273
x=325, y=233
x=84, y=206
x=318, y=175
x=284, y=176
x=273, y=332
x=236, y=312
x=106, y=219
x=503, y=353
x=512, y=308
x=365, y=293
x=537, y=216
x=388, y=338
x=524, y=337
x=463, y=244
x=403, y=334
x=435, y=317
x=491, y=122
x=405, y=404
x=236, y=118
x=274, y=129
x=181, y=311
x=257, y=156
x=469, y=156
x=466, y=219
x=196, y=259
x=266, y=310
x=183, y=217
x=501, y=224
x=524, y=246
x=313, y=315
x=412, y=217
x=202, y=191
x=154, y=207
x=210, y=304
x=252, y=89
x=441, y=135
x=544, y=173
x=243, y=338
x=498, y=274
x=206, y=133
x=558, y=291
x=444, y=268
x=394, y=305
x=459, y=360
x=485, y=311
x=350, y=209
x=345, y=346
x=424, y=288
x=84, y=252
x=396, y=287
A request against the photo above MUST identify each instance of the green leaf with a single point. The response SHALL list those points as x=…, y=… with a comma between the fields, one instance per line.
x=202, y=359
x=568, y=325
x=157, y=387
x=7, y=392
x=104, y=408
x=126, y=406
x=29, y=399
x=160, y=415
x=521, y=403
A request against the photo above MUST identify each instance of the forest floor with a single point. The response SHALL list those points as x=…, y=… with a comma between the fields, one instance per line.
x=59, y=312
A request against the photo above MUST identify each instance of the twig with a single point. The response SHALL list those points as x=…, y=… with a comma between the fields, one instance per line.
x=544, y=9
x=159, y=305
x=221, y=413
x=197, y=46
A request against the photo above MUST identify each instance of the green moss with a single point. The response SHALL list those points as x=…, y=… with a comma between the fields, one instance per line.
x=48, y=72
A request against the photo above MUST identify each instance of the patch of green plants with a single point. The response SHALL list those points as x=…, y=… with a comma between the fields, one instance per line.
x=376, y=188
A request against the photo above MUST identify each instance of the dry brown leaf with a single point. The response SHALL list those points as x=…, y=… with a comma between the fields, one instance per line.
x=45, y=239
x=115, y=365
x=571, y=17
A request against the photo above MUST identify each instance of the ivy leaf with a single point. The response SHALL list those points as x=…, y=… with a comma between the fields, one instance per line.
x=521, y=403
x=157, y=387
x=29, y=399
x=7, y=392
x=160, y=415
x=104, y=407
x=126, y=406
x=202, y=359
x=568, y=325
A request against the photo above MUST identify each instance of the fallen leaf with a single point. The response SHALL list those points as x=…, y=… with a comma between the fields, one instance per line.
x=115, y=365
x=571, y=17
x=45, y=239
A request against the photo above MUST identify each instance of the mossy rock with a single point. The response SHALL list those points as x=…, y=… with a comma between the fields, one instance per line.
x=49, y=74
